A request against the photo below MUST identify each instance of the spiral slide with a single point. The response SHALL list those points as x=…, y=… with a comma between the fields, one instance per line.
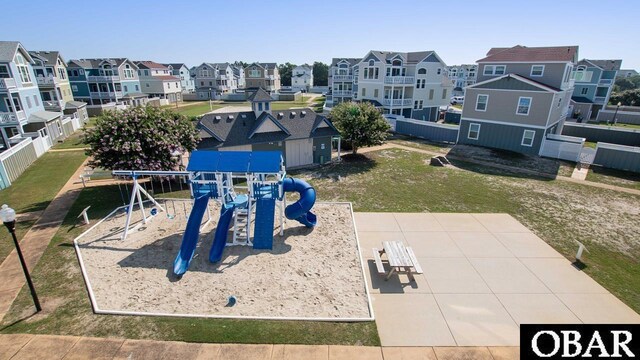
x=300, y=210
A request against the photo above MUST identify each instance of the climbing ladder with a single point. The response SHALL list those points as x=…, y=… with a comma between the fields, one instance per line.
x=241, y=227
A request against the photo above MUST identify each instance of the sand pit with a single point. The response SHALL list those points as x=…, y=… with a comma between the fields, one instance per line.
x=310, y=273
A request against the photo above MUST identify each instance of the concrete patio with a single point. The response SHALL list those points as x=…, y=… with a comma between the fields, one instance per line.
x=484, y=275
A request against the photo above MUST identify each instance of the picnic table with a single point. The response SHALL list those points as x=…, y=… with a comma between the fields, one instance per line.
x=400, y=257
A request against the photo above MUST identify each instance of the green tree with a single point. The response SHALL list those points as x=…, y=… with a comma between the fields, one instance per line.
x=360, y=124
x=320, y=74
x=285, y=71
x=626, y=98
x=242, y=64
x=143, y=138
x=624, y=85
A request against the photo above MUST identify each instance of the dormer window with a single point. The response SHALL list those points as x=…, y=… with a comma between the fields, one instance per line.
x=280, y=115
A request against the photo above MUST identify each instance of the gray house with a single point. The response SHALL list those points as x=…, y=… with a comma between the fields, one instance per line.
x=303, y=137
x=522, y=94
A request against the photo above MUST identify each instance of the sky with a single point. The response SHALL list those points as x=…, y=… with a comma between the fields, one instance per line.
x=194, y=31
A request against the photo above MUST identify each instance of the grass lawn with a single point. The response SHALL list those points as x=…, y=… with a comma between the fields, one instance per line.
x=457, y=106
x=388, y=180
x=626, y=126
x=74, y=141
x=36, y=187
x=198, y=109
x=614, y=177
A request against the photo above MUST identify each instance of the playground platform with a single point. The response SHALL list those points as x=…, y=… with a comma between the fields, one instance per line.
x=484, y=275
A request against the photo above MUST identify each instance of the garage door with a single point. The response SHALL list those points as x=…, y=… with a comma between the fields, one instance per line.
x=236, y=148
x=299, y=152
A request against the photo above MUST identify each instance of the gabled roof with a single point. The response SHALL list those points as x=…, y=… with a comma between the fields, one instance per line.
x=532, y=54
x=259, y=95
x=266, y=118
x=607, y=65
x=502, y=83
x=96, y=63
x=175, y=65
x=408, y=57
x=263, y=65
x=322, y=122
x=147, y=64
x=75, y=104
x=50, y=57
x=8, y=51
x=351, y=61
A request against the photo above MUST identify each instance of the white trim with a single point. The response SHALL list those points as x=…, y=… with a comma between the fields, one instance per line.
x=532, y=138
x=504, y=123
x=517, y=77
x=486, y=104
x=528, y=107
x=478, y=131
x=541, y=74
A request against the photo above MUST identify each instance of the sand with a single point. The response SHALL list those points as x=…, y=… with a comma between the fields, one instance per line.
x=309, y=273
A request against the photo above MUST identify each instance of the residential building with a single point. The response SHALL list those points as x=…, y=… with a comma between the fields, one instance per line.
x=594, y=80
x=625, y=73
x=302, y=78
x=157, y=81
x=462, y=76
x=212, y=80
x=22, y=112
x=413, y=84
x=182, y=71
x=343, y=80
x=521, y=95
x=262, y=75
x=51, y=76
x=99, y=82
x=238, y=74
x=303, y=137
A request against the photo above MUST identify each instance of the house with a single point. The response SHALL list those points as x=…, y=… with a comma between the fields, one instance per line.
x=412, y=84
x=521, y=95
x=212, y=80
x=462, y=76
x=303, y=137
x=99, y=82
x=594, y=80
x=157, y=81
x=626, y=73
x=262, y=75
x=343, y=80
x=302, y=78
x=22, y=112
x=238, y=75
x=182, y=71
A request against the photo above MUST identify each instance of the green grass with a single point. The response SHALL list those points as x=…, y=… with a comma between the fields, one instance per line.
x=36, y=187
x=198, y=109
x=74, y=141
x=67, y=309
x=621, y=125
x=614, y=177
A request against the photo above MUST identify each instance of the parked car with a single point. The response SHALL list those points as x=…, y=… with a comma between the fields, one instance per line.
x=457, y=100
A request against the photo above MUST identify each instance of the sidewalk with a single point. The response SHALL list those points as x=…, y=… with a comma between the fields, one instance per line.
x=36, y=240
x=26, y=346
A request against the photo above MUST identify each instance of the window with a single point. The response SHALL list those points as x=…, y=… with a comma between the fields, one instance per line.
x=35, y=100
x=500, y=69
x=28, y=102
x=23, y=70
x=375, y=93
x=137, y=88
x=259, y=106
x=494, y=70
x=444, y=94
x=364, y=92
x=481, y=102
x=430, y=94
x=439, y=71
x=527, y=138
x=524, y=104
x=584, y=91
x=74, y=73
x=371, y=62
x=254, y=72
x=559, y=101
x=422, y=71
x=474, y=131
x=266, y=106
x=81, y=72
x=537, y=70
x=147, y=84
x=4, y=72
x=417, y=105
x=74, y=88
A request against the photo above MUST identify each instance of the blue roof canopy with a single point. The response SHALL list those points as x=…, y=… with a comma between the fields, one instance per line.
x=235, y=161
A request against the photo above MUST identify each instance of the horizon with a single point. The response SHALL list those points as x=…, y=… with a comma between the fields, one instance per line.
x=321, y=34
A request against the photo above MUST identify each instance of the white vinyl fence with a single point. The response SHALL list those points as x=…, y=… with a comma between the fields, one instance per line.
x=562, y=147
x=15, y=161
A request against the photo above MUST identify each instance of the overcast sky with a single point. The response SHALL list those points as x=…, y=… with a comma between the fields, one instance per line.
x=279, y=31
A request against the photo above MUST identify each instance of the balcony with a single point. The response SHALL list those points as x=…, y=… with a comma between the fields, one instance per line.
x=397, y=102
x=49, y=80
x=53, y=105
x=399, y=79
x=12, y=117
x=7, y=84
x=342, y=78
x=106, y=95
x=342, y=92
x=599, y=100
x=104, y=78
x=605, y=82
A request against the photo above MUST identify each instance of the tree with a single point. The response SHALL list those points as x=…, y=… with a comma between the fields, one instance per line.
x=360, y=124
x=242, y=64
x=626, y=98
x=624, y=84
x=140, y=138
x=320, y=74
x=285, y=71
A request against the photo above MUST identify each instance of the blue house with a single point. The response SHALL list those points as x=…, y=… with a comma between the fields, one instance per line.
x=594, y=80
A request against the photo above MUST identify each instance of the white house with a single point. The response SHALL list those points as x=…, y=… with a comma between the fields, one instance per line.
x=302, y=78
x=157, y=81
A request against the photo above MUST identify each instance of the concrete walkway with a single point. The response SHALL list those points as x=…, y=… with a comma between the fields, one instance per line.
x=36, y=240
x=25, y=346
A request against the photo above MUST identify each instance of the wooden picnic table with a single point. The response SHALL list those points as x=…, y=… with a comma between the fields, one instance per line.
x=400, y=257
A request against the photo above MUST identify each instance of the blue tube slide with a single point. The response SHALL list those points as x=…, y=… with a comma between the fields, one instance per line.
x=220, y=238
x=191, y=235
x=300, y=210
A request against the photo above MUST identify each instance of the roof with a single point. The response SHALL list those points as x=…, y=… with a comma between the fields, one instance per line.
x=534, y=84
x=233, y=129
x=95, y=63
x=532, y=54
x=236, y=161
x=135, y=95
x=581, y=99
x=51, y=57
x=264, y=65
x=8, y=51
x=150, y=65
x=409, y=57
x=607, y=65
x=259, y=95
x=75, y=104
x=351, y=61
x=176, y=65
x=43, y=116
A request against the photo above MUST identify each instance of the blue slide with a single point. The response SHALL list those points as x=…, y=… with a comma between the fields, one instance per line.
x=191, y=235
x=300, y=210
x=220, y=238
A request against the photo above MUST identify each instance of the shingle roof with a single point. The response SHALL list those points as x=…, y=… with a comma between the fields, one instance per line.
x=259, y=95
x=8, y=50
x=234, y=128
x=95, y=63
x=606, y=65
x=524, y=53
x=51, y=57
x=146, y=64
x=410, y=57
x=175, y=65
x=352, y=61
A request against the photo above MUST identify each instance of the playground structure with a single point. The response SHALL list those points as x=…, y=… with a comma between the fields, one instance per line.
x=250, y=186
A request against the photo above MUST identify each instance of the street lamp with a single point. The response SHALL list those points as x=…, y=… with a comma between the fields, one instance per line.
x=210, y=106
x=8, y=216
x=615, y=115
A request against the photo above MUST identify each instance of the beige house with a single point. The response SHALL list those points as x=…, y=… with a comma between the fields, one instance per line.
x=52, y=79
x=157, y=81
x=262, y=75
